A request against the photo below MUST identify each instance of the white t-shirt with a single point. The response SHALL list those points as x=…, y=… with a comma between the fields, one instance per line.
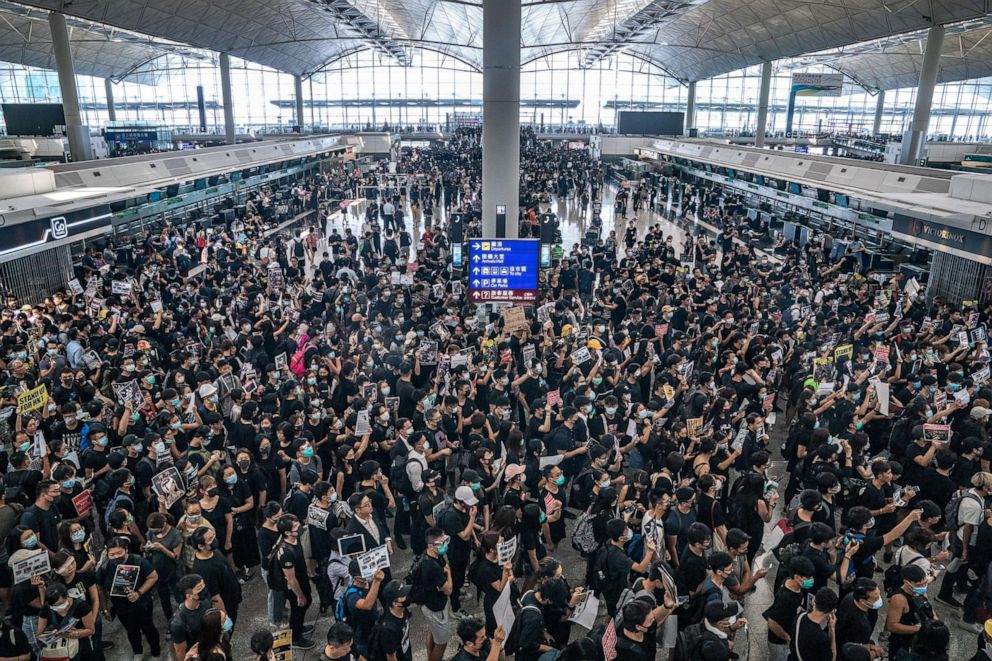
x=971, y=510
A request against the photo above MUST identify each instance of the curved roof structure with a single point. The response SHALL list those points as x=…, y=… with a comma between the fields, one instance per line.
x=691, y=39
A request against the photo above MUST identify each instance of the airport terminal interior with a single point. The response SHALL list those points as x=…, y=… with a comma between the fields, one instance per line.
x=457, y=330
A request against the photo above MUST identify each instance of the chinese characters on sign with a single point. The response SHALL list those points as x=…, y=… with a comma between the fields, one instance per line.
x=503, y=270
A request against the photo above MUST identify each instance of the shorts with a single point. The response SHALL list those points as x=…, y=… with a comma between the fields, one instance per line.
x=438, y=623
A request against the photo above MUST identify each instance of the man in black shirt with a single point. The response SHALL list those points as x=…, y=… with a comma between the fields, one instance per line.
x=857, y=616
x=692, y=564
x=476, y=645
x=433, y=576
x=813, y=635
x=789, y=602
x=339, y=640
x=458, y=522
x=615, y=565
x=185, y=624
x=393, y=630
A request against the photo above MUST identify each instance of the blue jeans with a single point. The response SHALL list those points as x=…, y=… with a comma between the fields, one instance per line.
x=276, y=602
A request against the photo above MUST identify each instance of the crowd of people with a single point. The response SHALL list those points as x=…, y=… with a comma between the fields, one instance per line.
x=304, y=411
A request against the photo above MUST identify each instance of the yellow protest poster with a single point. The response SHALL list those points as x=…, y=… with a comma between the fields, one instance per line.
x=32, y=399
x=282, y=645
x=844, y=350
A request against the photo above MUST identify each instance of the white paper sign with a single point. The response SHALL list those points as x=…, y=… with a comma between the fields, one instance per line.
x=374, y=560
x=75, y=287
x=317, y=517
x=553, y=460
x=882, y=392
x=35, y=564
x=585, y=613
x=506, y=550
x=156, y=306
x=503, y=609
x=362, y=426
x=581, y=355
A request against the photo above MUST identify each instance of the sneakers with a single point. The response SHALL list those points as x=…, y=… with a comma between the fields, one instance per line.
x=308, y=629
x=973, y=627
x=303, y=644
x=949, y=601
x=460, y=614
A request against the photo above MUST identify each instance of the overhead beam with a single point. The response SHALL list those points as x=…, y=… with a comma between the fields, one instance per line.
x=367, y=28
x=637, y=25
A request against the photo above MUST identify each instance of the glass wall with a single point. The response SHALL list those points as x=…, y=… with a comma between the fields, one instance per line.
x=366, y=90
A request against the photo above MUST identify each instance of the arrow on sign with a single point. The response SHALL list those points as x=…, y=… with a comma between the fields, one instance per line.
x=476, y=270
x=475, y=246
x=475, y=283
x=475, y=258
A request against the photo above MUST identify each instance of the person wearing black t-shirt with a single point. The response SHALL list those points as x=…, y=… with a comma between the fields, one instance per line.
x=813, y=635
x=476, y=644
x=789, y=602
x=614, y=563
x=393, y=629
x=433, y=576
x=339, y=641
x=185, y=625
x=857, y=616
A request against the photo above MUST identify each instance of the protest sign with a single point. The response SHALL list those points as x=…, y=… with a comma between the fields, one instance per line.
x=503, y=609
x=34, y=564
x=362, y=426
x=282, y=645
x=372, y=561
x=370, y=393
x=32, y=399
x=75, y=287
x=660, y=330
x=937, y=433
x=552, y=460
x=83, y=502
x=694, y=426
x=428, y=352
x=844, y=350
x=514, y=319
x=281, y=361
x=317, y=517
x=529, y=353
x=581, y=355
x=585, y=613
x=506, y=550
x=125, y=580
x=554, y=396
x=982, y=375
x=121, y=287
x=551, y=504
x=129, y=391
x=168, y=484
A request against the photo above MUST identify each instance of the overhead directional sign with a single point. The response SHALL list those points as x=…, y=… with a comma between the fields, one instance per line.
x=503, y=270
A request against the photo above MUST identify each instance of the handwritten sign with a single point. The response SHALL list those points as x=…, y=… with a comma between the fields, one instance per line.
x=317, y=517
x=554, y=396
x=32, y=399
x=514, y=319
x=83, y=502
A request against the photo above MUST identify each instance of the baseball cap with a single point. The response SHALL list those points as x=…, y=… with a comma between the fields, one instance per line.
x=465, y=495
x=513, y=470
x=980, y=412
x=396, y=589
x=717, y=610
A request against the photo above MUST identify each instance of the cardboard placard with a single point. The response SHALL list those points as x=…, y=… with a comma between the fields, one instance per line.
x=83, y=502
x=75, y=287
x=694, y=426
x=282, y=645
x=32, y=400
x=554, y=396
x=660, y=330
x=514, y=319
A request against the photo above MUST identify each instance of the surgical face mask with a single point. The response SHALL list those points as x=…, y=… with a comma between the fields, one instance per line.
x=610, y=410
x=604, y=484
x=807, y=584
x=560, y=480
x=70, y=419
x=25, y=446
x=308, y=452
x=228, y=625
x=917, y=385
x=70, y=483
x=920, y=589
x=30, y=542
x=231, y=479
x=78, y=537
x=312, y=381
x=443, y=548
x=102, y=442
x=159, y=447
x=385, y=391
x=150, y=379
x=644, y=413
x=543, y=517
x=877, y=604
x=214, y=399
x=871, y=523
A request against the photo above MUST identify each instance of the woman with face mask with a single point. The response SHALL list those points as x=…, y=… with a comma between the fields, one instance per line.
x=130, y=594
x=214, y=639
x=218, y=512
x=552, y=499
x=59, y=609
x=238, y=494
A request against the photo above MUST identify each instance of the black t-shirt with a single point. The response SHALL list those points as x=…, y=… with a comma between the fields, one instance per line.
x=693, y=570
x=812, y=641
x=617, y=570
x=290, y=556
x=853, y=624
x=784, y=609
x=432, y=577
x=453, y=522
x=16, y=647
x=394, y=636
x=185, y=624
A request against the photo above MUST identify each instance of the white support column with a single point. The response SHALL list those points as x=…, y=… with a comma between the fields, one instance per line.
x=690, y=108
x=227, y=98
x=80, y=148
x=876, y=127
x=108, y=86
x=298, y=86
x=913, y=149
x=766, y=86
x=500, y=116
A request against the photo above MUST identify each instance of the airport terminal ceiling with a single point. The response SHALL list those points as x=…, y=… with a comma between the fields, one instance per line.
x=690, y=39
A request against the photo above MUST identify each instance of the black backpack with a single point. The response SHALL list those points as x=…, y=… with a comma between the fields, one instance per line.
x=512, y=643
x=687, y=643
x=276, y=578
x=418, y=595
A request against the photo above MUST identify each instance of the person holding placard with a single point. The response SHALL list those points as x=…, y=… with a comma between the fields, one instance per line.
x=432, y=576
x=129, y=600
x=490, y=578
x=477, y=644
x=71, y=620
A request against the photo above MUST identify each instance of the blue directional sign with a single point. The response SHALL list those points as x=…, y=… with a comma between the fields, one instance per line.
x=503, y=270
